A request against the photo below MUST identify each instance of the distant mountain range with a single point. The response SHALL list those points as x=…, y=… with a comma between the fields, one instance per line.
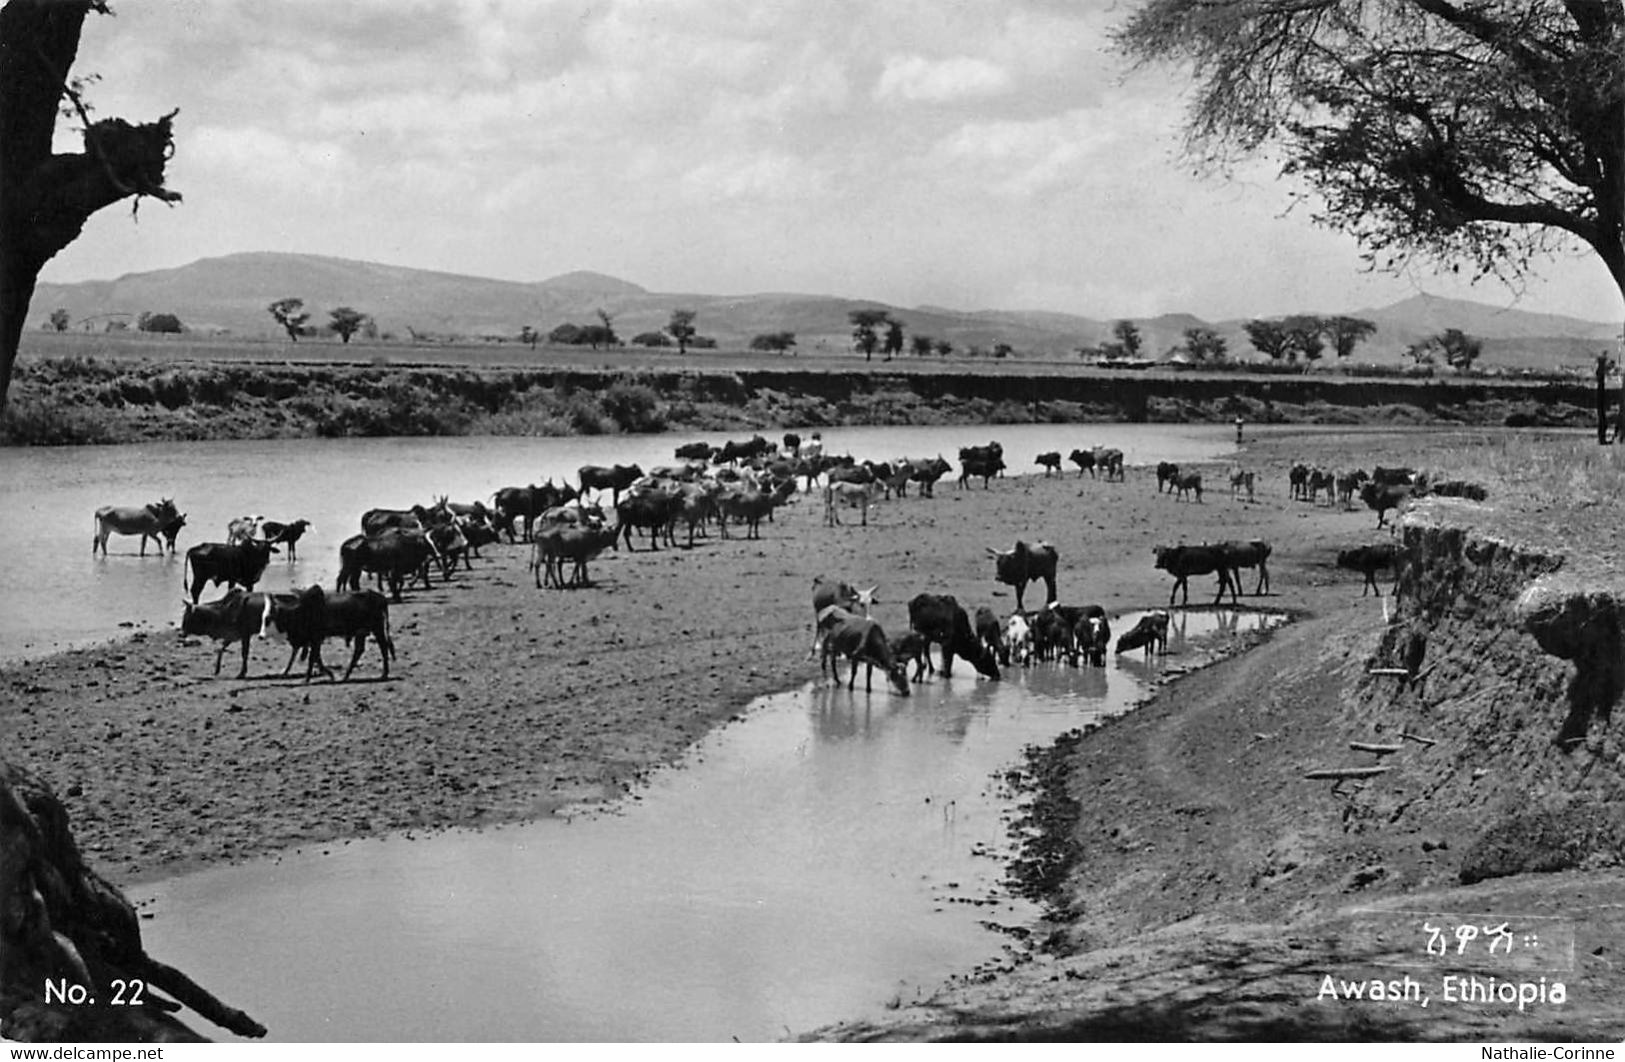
x=230, y=295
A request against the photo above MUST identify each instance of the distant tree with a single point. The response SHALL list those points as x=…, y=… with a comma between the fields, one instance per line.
x=1003, y=350
x=1268, y=337
x=346, y=322
x=59, y=320
x=47, y=195
x=651, y=339
x=528, y=336
x=598, y=335
x=1303, y=336
x=1204, y=345
x=681, y=328
x=866, y=325
x=159, y=322
x=774, y=341
x=1460, y=350
x=894, y=339
x=944, y=348
x=1421, y=353
x=566, y=334
x=1128, y=338
x=922, y=345
x=1345, y=333
x=291, y=315
x=1482, y=133
x=607, y=322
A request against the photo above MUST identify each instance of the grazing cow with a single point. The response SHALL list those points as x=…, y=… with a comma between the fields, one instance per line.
x=827, y=592
x=243, y=529
x=1182, y=562
x=1151, y=633
x=1110, y=461
x=238, y=565
x=613, y=479
x=397, y=556
x=991, y=632
x=1186, y=482
x=1369, y=560
x=1051, y=462
x=839, y=495
x=1254, y=554
x=308, y=617
x=148, y=521
x=280, y=534
x=1241, y=480
x=860, y=640
x=1092, y=632
x=575, y=544
x=1380, y=499
x=1167, y=471
x=1085, y=460
x=236, y=617
x=910, y=647
x=926, y=473
x=695, y=451
x=940, y=619
x=1024, y=564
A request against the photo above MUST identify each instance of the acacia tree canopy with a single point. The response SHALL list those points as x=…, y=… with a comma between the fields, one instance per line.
x=46, y=198
x=1481, y=133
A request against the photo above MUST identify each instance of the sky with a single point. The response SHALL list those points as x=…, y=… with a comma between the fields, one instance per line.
x=970, y=154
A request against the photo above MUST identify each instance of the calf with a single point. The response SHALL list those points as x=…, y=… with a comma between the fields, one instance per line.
x=243, y=529
x=991, y=633
x=1092, y=633
x=236, y=617
x=910, y=647
x=1018, y=639
x=941, y=620
x=1370, y=560
x=1085, y=460
x=1151, y=633
x=860, y=640
x=1051, y=462
x=280, y=534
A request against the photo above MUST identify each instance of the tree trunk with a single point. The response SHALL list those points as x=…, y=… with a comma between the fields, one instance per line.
x=45, y=199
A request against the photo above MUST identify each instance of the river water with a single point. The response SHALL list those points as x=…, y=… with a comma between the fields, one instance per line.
x=830, y=854
x=57, y=595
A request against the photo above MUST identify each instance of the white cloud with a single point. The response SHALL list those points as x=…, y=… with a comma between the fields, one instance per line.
x=252, y=156
x=916, y=79
x=762, y=178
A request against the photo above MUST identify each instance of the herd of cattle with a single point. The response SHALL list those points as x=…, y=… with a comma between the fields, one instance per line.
x=736, y=485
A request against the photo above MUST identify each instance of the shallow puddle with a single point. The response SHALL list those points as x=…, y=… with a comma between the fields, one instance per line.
x=829, y=854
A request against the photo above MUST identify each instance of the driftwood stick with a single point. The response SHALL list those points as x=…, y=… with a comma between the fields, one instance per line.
x=1380, y=750
x=1341, y=773
x=1418, y=738
x=1388, y=671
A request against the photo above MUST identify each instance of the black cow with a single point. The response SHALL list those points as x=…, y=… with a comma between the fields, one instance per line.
x=1370, y=560
x=941, y=620
x=1254, y=554
x=1182, y=562
x=695, y=451
x=991, y=632
x=1151, y=633
x=1052, y=636
x=1393, y=477
x=238, y=565
x=614, y=479
x=1085, y=460
x=397, y=556
x=860, y=640
x=1167, y=471
x=310, y=616
x=1380, y=499
x=1092, y=632
x=171, y=531
x=280, y=534
x=1025, y=564
x=236, y=617
x=526, y=504
x=376, y=520
x=654, y=510
x=910, y=647
x=734, y=452
x=1051, y=462
x=1186, y=482
x=984, y=461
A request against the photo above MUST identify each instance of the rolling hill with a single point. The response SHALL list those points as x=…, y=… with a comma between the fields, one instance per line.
x=230, y=295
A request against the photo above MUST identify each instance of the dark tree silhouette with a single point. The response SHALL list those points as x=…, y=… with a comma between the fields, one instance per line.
x=346, y=322
x=291, y=315
x=45, y=198
x=682, y=329
x=866, y=325
x=1346, y=333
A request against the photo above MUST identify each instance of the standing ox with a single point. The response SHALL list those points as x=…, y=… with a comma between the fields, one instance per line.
x=613, y=479
x=827, y=592
x=1182, y=562
x=1025, y=564
x=395, y=556
x=1051, y=462
x=1254, y=554
x=1085, y=460
x=858, y=496
x=148, y=521
x=215, y=562
x=860, y=640
x=310, y=616
x=1370, y=560
x=940, y=619
x=236, y=617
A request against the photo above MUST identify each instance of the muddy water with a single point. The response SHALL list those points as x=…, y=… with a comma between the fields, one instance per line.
x=828, y=853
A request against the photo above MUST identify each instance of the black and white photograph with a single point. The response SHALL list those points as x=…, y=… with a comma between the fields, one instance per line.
x=705, y=521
